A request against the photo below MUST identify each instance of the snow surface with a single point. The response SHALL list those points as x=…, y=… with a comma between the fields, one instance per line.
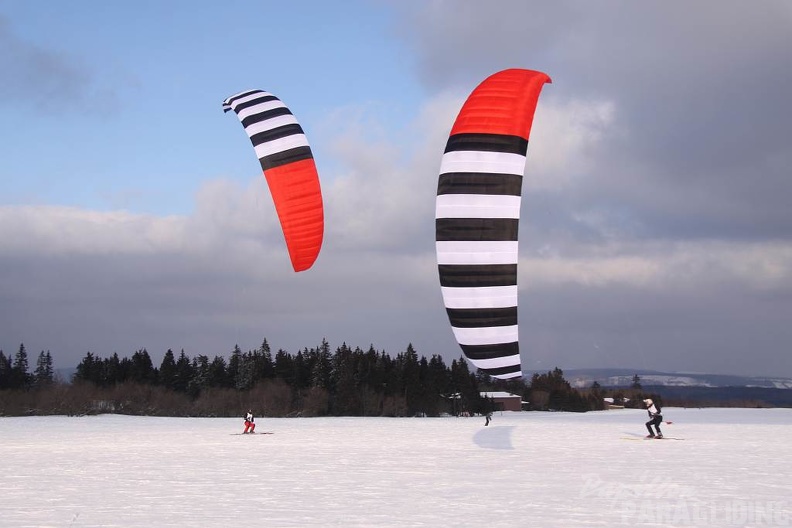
x=525, y=469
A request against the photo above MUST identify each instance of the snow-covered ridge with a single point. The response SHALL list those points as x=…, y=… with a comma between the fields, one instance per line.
x=582, y=378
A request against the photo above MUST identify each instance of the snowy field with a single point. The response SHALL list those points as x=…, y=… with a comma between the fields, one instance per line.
x=732, y=468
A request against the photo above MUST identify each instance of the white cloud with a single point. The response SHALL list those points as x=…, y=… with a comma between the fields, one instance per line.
x=693, y=266
x=564, y=135
x=52, y=230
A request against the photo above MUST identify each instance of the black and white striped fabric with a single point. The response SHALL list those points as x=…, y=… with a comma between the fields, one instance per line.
x=477, y=219
x=277, y=137
x=478, y=214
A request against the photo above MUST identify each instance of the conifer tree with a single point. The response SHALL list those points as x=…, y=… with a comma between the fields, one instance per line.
x=245, y=369
x=302, y=371
x=44, y=374
x=115, y=370
x=233, y=365
x=200, y=375
x=167, y=371
x=284, y=366
x=464, y=386
x=20, y=377
x=184, y=373
x=5, y=371
x=411, y=380
x=264, y=366
x=142, y=370
x=321, y=373
x=89, y=369
x=344, y=389
x=218, y=376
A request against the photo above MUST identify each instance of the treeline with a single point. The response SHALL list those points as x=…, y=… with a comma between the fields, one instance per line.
x=14, y=373
x=312, y=382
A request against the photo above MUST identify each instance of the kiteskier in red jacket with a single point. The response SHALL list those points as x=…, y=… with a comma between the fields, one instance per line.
x=250, y=426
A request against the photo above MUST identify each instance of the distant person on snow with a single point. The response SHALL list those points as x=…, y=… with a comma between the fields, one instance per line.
x=250, y=426
x=655, y=418
x=488, y=417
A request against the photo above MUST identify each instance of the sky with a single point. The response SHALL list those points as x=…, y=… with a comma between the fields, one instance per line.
x=655, y=231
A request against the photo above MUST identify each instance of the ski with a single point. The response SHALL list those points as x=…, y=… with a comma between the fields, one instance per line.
x=641, y=438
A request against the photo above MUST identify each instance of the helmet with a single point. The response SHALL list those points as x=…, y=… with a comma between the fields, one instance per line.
x=648, y=401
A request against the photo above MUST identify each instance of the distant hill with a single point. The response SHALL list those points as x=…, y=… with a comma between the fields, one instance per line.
x=690, y=389
x=722, y=396
x=582, y=378
x=65, y=374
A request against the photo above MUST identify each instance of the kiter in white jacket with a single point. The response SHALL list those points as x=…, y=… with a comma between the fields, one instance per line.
x=655, y=418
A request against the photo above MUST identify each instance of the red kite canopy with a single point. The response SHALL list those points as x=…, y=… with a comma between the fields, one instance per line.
x=288, y=165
